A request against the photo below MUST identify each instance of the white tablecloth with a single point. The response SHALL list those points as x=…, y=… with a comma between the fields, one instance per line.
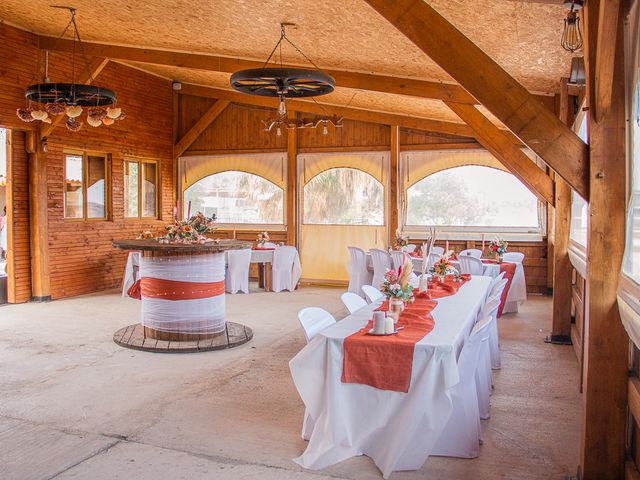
x=397, y=430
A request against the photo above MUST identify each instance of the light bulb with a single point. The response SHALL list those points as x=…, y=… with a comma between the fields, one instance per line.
x=325, y=130
x=571, y=35
x=278, y=132
x=282, y=107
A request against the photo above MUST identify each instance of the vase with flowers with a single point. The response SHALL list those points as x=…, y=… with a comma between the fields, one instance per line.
x=262, y=239
x=498, y=248
x=192, y=230
x=400, y=241
x=396, y=288
x=442, y=267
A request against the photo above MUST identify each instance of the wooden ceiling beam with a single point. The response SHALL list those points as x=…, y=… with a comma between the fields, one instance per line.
x=499, y=92
x=87, y=76
x=200, y=126
x=346, y=79
x=605, y=56
x=500, y=143
x=449, y=128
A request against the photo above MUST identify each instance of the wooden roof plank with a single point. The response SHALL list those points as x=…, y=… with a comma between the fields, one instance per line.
x=499, y=92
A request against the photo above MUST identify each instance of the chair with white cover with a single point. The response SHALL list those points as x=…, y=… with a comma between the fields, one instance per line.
x=396, y=259
x=497, y=288
x=484, y=378
x=269, y=245
x=372, y=293
x=352, y=301
x=470, y=265
x=516, y=257
x=359, y=274
x=433, y=258
x=410, y=248
x=313, y=321
x=282, y=270
x=494, y=281
x=473, y=252
x=494, y=339
x=437, y=250
x=236, y=276
x=461, y=435
x=131, y=272
x=381, y=263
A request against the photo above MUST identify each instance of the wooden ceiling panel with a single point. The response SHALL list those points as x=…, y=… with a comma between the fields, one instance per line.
x=523, y=37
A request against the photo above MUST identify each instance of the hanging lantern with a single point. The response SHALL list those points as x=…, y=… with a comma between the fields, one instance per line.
x=571, y=35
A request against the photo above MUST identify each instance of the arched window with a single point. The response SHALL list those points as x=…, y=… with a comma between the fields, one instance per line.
x=471, y=198
x=344, y=196
x=237, y=197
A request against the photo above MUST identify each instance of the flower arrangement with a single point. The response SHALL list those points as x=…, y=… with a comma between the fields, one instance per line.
x=396, y=284
x=190, y=231
x=443, y=266
x=263, y=237
x=144, y=235
x=498, y=247
x=400, y=241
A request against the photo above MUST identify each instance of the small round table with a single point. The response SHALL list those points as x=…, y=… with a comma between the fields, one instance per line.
x=182, y=295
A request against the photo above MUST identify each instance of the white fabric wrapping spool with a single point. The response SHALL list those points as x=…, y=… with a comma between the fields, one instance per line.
x=197, y=316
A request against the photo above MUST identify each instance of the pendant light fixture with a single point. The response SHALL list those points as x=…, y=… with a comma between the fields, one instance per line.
x=283, y=83
x=571, y=34
x=69, y=98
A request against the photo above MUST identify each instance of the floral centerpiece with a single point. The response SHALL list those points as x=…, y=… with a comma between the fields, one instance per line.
x=400, y=241
x=443, y=266
x=145, y=234
x=498, y=247
x=190, y=231
x=263, y=237
x=396, y=288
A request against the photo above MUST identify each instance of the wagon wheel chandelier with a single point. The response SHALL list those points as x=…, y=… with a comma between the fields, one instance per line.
x=283, y=83
x=51, y=99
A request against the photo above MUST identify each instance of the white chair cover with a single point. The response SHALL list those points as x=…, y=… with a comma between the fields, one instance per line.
x=517, y=257
x=410, y=248
x=313, y=321
x=498, y=287
x=494, y=339
x=396, y=258
x=433, y=258
x=381, y=263
x=237, y=271
x=461, y=437
x=352, y=301
x=269, y=245
x=473, y=252
x=484, y=377
x=437, y=250
x=471, y=265
x=131, y=272
x=495, y=281
x=359, y=274
x=285, y=270
x=371, y=293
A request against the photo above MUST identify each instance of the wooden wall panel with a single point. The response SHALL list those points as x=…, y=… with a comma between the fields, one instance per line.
x=19, y=257
x=353, y=134
x=415, y=137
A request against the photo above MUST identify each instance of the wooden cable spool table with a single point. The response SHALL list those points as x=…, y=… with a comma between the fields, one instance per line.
x=182, y=297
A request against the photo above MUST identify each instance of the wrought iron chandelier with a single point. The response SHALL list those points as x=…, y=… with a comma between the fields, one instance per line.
x=283, y=83
x=571, y=35
x=53, y=99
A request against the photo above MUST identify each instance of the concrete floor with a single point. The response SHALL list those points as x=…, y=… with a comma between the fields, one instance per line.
x=74, y=405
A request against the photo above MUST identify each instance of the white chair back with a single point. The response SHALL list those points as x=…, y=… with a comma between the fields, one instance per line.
x=433, y=258
x=269, y=245
x=237, y=272
x=372, y=293
x=517, y=257
x=410, y=248
x=473, y=252
x=437, y=250
x=352, y=301
x=381, y=263
x=314, y=320
x=359, y=274
x=282, y=268
x=498, y=288
x=396, y=258
x=471, y=265
x=489, y=309
x=495, y=280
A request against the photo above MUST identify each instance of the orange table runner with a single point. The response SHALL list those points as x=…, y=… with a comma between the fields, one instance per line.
x=385, y=362
x=509, y=270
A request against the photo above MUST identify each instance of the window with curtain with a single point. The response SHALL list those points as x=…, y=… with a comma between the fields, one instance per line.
x=343, y=196
x=141, y=180
x=473, y=198
x=579, y=206
x=236, y=198
x=85, y=186
x=631, y=263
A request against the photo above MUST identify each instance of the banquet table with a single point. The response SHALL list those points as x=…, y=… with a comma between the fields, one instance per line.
x=397, y=430
x=517, y=290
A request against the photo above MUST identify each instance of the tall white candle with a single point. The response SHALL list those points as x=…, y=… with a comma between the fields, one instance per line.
x=446, y=246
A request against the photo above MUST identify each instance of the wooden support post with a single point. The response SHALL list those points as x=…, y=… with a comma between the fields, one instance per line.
x=38, y=218
x=561, y=327
x=606, y=344
x=177, y=196
x=292, y=183
x=395, y=188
